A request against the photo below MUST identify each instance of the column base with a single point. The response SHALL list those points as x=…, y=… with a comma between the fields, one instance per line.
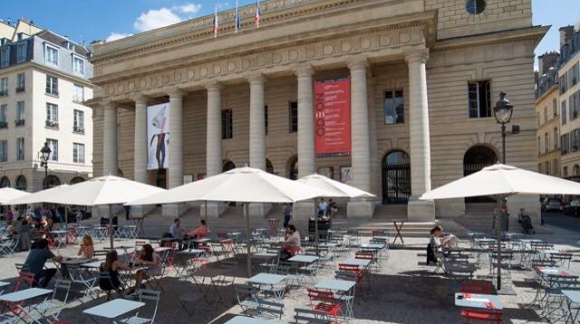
x=214, y=209
x=259, y=209
x=174, y=210
x=360, y=209
x=302, y=211
x=421, y=211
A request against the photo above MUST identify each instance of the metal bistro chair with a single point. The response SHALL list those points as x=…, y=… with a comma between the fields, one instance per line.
x=246, y=296
x=53, y=306
x=309, y=316
x=481, y=315
x=560, y=259
x=148, y=296
x=323, y=300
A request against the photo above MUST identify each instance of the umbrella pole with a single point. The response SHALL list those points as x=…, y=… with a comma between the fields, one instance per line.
x=498, y=217
x=111, y=225
x=248, y=257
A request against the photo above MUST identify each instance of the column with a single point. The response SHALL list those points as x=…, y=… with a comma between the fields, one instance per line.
x=110, y=139
x=140, y=140
x=306, y=160
x=419, y=138
x=359, y=125
x=213, y=163
x=175, y=149
x=257, y=127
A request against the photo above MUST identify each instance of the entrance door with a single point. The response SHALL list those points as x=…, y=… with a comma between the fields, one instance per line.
x=396, y=178
x=475, y=159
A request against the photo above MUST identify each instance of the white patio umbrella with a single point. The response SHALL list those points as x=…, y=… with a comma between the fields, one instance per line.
x=7, y=194
x=106, y=190
x=37, y=197
x=335, y=189
x=244, y=185
x=501, y=181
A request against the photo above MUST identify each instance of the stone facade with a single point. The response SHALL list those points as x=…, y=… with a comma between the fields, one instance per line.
x=426, y=51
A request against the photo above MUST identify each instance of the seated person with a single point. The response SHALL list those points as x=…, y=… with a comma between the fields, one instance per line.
x=36, y=260
x=152, y=261
x=332, y=207
x=87, y=248
x=174, y=229
x=199, y=232
x=291, y=240
x=111, y=266
x=439, y=241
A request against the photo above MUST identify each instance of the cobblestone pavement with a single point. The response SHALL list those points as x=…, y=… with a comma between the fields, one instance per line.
x=401, y=291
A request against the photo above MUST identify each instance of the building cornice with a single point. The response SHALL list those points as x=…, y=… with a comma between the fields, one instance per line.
x=547, y=93
x=532, y=34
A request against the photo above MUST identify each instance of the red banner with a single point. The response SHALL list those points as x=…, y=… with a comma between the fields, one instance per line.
x=332, y=117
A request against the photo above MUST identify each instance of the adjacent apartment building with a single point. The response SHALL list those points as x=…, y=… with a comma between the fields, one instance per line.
x=394, y=97
x=44, y=80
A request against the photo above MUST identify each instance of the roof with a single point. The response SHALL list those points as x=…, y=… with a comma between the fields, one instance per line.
x=61, y=40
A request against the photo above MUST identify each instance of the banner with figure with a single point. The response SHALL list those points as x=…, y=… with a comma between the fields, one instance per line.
x=332, y=117
x=157, y=136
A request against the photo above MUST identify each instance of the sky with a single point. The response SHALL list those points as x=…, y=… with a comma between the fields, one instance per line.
x=89, y=20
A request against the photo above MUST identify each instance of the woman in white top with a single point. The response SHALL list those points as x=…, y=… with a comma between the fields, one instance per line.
x=291, y=240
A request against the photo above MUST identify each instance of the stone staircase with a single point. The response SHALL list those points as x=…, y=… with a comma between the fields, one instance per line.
x=478, y=217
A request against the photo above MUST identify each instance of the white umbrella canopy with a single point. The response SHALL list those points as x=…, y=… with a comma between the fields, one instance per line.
x=7, y=194
x=335, y=188
x=245, y=184
x=505, y=180
x=38, y=197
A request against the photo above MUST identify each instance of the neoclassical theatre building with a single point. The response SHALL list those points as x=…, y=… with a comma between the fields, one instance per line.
x=394, y=97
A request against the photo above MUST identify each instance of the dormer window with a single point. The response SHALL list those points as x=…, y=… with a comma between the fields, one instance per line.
x=78, y=65
x=51, y=55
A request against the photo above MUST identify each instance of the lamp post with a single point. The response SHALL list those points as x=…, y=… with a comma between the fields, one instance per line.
x=44, y=156
x=503, y=114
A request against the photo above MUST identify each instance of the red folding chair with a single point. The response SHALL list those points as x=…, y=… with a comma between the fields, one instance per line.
x=481, y=315
x=324, y=301
x=476, y=287
x=26, y=277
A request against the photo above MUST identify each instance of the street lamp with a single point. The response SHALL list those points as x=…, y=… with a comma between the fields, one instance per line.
x=44, y=156
x=503, y=114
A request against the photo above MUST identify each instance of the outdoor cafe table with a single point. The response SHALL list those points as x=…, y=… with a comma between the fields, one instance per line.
x=75, y=260
x=363, y=263
x=60, y=238
x=341, y=288
x=3, y=284
x=550, y=278
x=114, y=308
x=572, y=297
x=303, y=258
x=187, y=266
x=251, y=320
x=478, y=301
x=268, y=279
x=16, y=298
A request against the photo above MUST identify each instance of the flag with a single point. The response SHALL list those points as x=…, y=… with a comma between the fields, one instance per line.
x=257, y=14
x=237, y=18
x=215, y=22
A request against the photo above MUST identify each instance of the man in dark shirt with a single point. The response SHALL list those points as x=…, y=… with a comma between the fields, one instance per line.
x=36, y=260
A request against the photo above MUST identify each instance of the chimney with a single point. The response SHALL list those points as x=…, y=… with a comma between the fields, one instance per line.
x=547, y=61
x=566, y=34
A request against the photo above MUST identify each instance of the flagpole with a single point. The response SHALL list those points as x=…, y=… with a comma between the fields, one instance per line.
x=237, y=18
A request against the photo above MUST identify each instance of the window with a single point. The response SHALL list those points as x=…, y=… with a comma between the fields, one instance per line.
x=20, y=149
x=547, y=167
x=227, y=124
x=293, y=114
x=5, y=56
x=479, y=99
x=540, y=167
x=20, y=82
x=565, y=143
x=78, y=153
x=79, y=93
x=538, y=119
x=545, y=114
x=563, y=83
x=555, y=107
x=393, y=107
x=474, y=7
x=555, y=167
x=564, y=172
x=3, y=151
x=51, y=115
x=3, y=86
x=556, y=138
x=539, y=145
x=21, y=52
x=574, y=72
x=572, y=107
x=51, y=85
x=79, y=121
x=266, y=119
x=546, y=142
x=563, y=103
x=50, y=55
x=20, y=112
x=78, y=65
x=53, y=144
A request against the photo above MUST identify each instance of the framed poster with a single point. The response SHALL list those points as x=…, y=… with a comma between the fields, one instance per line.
x=332, y=118
x=157, y=136
x=327, y=172
x=345, y=175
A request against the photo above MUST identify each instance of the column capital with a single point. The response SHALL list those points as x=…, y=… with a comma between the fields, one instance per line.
x=175, y=92
x=417, y=56
x=303, y=70
x=140, y=98
x=255, y=77
x=109, y=104
x=213, y=86
x=357, y=63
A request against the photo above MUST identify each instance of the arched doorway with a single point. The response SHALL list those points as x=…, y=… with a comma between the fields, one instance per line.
x=51, y=181
x=76, y=180
x=292, y=167
x=21, y=183
x=5, y=182
x=475, y=159
x=269, y=167
x=228, y=165
x=396, y=177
